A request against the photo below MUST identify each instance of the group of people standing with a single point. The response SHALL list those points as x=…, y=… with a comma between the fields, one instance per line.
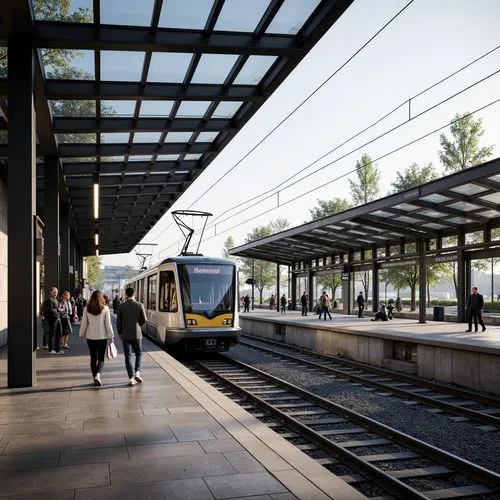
x=96, y=328
x=58, y=316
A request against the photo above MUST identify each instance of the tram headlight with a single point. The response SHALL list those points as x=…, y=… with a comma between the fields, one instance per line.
x=227, y=322
x=191, y=322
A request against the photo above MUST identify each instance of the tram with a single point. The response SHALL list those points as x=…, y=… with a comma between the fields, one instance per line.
x=191, y=301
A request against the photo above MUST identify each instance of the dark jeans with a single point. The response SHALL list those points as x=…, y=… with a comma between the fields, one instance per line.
x=55, y=331
x=304, y=309
x=478, y=316
x=136, y=346
x=97, y=349
x=361, y=308
x=325, y=311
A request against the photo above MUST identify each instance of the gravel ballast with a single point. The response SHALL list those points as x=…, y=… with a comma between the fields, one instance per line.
x=464, y=439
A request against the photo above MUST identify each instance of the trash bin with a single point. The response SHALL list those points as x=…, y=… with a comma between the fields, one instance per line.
x=438, y=313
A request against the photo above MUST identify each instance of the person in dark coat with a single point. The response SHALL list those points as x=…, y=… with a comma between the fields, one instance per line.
x=361, y=304
x=52, y=312
x=303, y=300
x=381, y=315
x=474, y=306
x=116, y=303
x=283, y=302
x=129, y=319
x=246, y=302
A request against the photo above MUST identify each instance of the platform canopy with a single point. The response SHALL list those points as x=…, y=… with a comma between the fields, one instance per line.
x=158, y=89
x=467, y=201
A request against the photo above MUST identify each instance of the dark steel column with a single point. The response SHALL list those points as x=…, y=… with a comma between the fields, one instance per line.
x=64, y=236
x=51, y=219
x=375, y=287
x=277, y=287
x=294, y=286
x=422, y=282
x=461, y=279
x=310, y=287
x=72, y=262
x=21, y=202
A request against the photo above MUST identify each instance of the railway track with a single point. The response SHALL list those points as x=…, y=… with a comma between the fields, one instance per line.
x=460, y=402
x=381, y=462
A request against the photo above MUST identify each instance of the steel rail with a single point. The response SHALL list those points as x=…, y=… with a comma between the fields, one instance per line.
x=427, y=400
x=403, y=377
x=453, y=462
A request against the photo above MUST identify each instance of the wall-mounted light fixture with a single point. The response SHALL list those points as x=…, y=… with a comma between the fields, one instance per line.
x=96, y=238
x=97, y=252
x=95, y=182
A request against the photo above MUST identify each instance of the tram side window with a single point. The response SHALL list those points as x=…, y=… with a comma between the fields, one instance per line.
x=168, y=292
x=152, y=293
x=143, y=290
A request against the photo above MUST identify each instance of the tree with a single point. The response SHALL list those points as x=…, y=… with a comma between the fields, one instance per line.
x=414, y=176
x=263, y=272
x=278, y=225
x=53, y=10
x=228, y=244
x=329, y=207
x=94, y=271
x=329, y=282
x=463, y=150
x=367, y=188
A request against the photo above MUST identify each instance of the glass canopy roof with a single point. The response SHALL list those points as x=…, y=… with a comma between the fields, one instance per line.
x=468, y=201
x=148, y=93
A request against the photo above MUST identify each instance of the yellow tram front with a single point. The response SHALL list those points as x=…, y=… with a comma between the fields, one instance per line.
x=209, y=303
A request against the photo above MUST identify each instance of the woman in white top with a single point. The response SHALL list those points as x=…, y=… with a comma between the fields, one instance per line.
x=96, y=328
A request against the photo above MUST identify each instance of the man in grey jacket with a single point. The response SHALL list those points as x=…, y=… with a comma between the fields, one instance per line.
x=129, y=319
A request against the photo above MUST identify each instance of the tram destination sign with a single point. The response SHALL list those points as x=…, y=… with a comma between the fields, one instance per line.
x=449, y=257
x=399, y=263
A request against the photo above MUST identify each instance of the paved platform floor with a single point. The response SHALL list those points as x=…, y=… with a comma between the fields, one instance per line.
x=172, y=437
x=432, y=332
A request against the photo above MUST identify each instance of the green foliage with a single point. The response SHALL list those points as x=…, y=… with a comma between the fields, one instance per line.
x=414, y=176
x=228, y=244
x=330, y=283
x=329, y=207
x=367, y=188
x=95, y=273
x=463, y=150
x=263, y=272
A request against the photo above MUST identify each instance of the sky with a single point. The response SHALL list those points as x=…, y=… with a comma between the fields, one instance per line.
x=430, y=40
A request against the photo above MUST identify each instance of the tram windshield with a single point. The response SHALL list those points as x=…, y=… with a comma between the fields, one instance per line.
x=207, y=288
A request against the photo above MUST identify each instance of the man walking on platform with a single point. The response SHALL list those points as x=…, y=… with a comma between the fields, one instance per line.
x=361, y=304
x=303, y=300
x=475, y=304
x=52, y=313
x=129, y=319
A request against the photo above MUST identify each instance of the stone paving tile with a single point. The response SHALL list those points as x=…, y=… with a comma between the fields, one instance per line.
x=94, y=455
x=52, y=495
x=155, y=411
x=29, y=461
x=28, y=428
x=182, y=489
x=221, y=445
x=145, y=435
x=165, y=450
x=256, y=483
x=185, y=409
x=258, y=497
x=295, y=482
x=191, y=432
x=53, y=478
x=243, y=462
x=283, y=496
x=148, y=470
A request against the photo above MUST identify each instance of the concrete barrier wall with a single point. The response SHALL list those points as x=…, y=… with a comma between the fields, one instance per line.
x=474, y=370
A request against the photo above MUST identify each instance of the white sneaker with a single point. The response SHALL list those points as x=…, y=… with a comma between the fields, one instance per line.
x=45, y=347
x=60, y=352
x=132, y=381
x=97, y=380
x=138, y=377
x=52, y=352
